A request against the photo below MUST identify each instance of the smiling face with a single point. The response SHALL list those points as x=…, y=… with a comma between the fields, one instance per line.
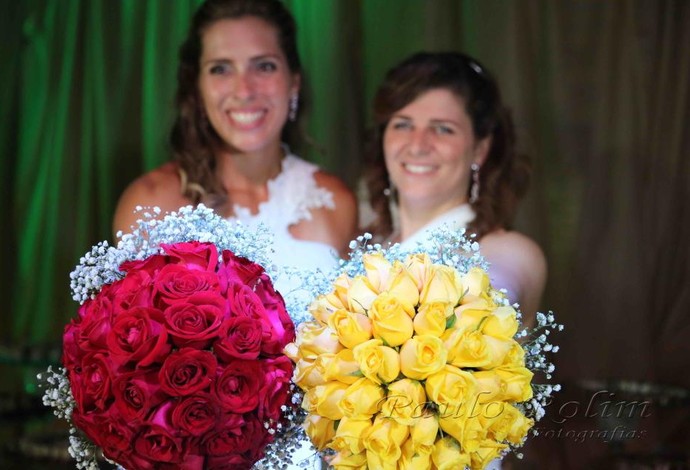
x=429, y=146
x=245, y=83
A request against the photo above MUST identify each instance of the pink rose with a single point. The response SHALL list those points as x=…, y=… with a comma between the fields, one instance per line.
x=276, y=386
x=236, y=269
x=196, y=321
x=138, y=337
x=136, y=394
x=237, y=388
x=279, y=330
x=195, y=415
x=242, y=339
x=134, y=290
x=192, y=254
x=92, y=387
x=187, y=371
x=159, y=444
x=237, y=435
x=177, y=283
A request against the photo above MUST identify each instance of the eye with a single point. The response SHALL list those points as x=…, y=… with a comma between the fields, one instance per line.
x=266, y=66
x=401, y=124
x=219, y=69
x=442, y=129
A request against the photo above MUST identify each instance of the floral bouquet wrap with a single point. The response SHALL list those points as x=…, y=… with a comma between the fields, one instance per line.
x=414, y=361
x=175, y=359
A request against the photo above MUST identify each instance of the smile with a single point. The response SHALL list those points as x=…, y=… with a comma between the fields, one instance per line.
x=246, y=118
x=419, y=169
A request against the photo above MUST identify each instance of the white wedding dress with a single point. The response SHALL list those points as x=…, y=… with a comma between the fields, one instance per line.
x=291, y=197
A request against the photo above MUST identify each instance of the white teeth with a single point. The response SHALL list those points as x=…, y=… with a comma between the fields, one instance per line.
x=246, y=118
x=419, y=169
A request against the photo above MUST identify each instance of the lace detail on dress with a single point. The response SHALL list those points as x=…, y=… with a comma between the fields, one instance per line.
x=291, y=196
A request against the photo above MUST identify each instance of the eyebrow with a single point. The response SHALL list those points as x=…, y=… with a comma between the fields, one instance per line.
x=253, y=60
x=433, y=121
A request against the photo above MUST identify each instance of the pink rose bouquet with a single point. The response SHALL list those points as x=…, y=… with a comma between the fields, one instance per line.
x=175, y=360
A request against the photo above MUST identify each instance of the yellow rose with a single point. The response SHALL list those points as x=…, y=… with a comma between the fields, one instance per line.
x=501, y=324
x=391, y=320
x=505, y=422
x=515, y=356
x=421, y=356
x=341, y=287
x=405, y=401
x=476, y=283
x=352, y=328
x=402, y=285
x=374, y=462
x=319, y=429
x=448, y=455
x=414, y=459
x=349, y=461
x=471, y=348
x=384, y=438
x=378, y=363
x=343, y=368
x=468, y=431
x=348, y=437
x=517, y=382
x=324, y=306
x=378, y=270
x=489, y=385
x=361, y=294
x=488, y=450
x=361, y=399
x=314, y=339
x=323, y=400
x=471, y=314
x=431, y=318
x=309, y=374
x=442, y=285
x=419, y=267
x=423, y=434
x=451, y=389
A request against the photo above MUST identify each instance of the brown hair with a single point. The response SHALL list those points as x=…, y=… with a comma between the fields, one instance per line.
x=504, y=176
x=193, y=138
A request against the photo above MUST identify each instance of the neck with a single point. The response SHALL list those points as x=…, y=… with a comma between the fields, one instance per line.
x=244, y=171
x=413, y=219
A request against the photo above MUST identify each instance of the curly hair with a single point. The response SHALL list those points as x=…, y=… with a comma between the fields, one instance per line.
x=193, y=139
x=504, y=176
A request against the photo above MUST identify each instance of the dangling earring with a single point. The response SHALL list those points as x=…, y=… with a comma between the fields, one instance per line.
x=391, y=193
x=474, y=191
x=294, y=104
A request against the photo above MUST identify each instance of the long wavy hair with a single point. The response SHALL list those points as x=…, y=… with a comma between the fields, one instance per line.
x=193, y=139
x=503, y=177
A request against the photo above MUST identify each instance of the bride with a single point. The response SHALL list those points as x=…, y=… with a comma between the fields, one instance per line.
x=442, y=153
x=237, y=103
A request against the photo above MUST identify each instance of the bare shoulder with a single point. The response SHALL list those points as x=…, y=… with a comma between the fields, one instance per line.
x=515, y=245
x=159, y=187
x=333, y=226
x=520, y=264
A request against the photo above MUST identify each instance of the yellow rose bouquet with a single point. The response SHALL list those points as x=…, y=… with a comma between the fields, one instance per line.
x=414, y=361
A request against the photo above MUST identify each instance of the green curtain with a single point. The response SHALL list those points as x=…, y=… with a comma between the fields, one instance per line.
x=600, y=92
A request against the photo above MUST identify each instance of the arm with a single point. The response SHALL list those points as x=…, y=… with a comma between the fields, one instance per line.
x=517, y=264
x=160, y=187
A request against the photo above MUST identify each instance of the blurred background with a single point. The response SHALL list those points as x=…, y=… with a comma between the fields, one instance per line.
x=600, y=92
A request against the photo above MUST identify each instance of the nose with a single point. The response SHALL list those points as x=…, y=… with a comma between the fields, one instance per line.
x=243, y=86
x=420, y=143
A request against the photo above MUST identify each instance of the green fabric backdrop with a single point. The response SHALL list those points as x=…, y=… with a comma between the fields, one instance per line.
x=600, y=93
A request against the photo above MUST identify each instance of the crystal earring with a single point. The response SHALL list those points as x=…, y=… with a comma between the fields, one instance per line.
x=474, y=191
x=294, y=104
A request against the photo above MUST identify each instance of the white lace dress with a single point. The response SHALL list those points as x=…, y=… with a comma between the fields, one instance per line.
x=291, y=197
